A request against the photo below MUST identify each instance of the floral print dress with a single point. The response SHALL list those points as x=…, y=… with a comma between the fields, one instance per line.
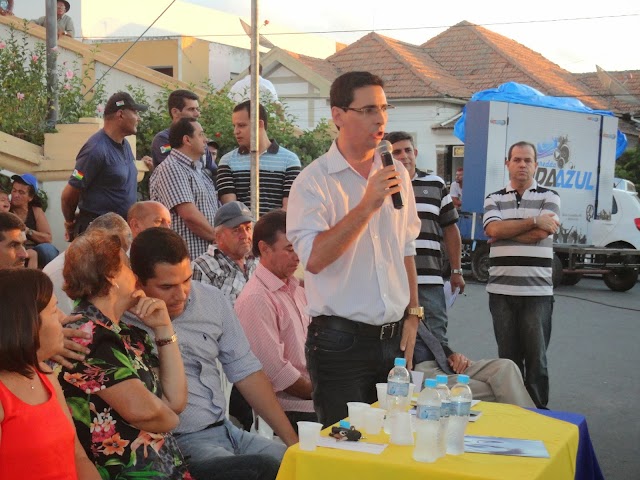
x=118, y=352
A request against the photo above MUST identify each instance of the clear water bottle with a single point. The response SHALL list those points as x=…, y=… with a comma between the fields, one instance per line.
x=459, y=415
x=427, y=423
x=445, y=398
x=397, y=391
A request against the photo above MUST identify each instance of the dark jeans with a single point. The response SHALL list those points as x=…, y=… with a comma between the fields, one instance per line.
x=295, y=417
x=46, y=252
x=237, y=467
x=522, y=326
x=345, y=368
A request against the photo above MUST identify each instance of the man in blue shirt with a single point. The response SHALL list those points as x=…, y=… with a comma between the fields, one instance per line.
x=105, y=176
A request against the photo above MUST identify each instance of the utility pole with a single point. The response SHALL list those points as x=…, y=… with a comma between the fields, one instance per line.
x=255, y=112
x=52, y=63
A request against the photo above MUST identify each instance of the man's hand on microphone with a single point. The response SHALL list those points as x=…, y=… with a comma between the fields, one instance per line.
x=381, y=184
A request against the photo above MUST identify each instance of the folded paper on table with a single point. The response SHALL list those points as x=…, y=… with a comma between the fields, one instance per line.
x=516, y=447
x=364, y=447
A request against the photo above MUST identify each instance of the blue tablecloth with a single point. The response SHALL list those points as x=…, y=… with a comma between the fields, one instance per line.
x=587, y=467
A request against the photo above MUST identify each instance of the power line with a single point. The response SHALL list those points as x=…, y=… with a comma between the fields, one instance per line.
x=127, y=50
x=394, y=29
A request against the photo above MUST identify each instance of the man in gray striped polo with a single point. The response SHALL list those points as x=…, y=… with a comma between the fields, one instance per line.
x=521, y=219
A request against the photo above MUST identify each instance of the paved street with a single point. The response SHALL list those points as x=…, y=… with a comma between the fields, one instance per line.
x=594, y=359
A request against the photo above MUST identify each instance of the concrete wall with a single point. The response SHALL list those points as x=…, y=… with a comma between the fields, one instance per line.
x=120, y=18
x=226, y=62
x=77, y=54
x=157, y=53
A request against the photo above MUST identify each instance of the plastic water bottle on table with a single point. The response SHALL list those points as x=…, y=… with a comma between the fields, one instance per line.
x=445, y=397
x=428, y=423
x=397, y=391
x=459, y=415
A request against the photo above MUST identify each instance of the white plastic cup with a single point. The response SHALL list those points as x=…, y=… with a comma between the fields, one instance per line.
x=309, y=434
x=356, y=413
x=373, y=420
x=401, y=431
x=382, y=394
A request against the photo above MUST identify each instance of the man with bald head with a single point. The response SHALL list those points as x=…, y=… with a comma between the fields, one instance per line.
x=147, y=214
x=141, y=216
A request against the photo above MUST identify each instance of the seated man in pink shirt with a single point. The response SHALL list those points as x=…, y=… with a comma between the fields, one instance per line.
x=271, y=309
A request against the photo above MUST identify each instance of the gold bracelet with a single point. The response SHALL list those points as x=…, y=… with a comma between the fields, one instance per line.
x=167, y=341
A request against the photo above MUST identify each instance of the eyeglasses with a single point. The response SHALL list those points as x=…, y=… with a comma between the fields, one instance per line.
x=370, y=110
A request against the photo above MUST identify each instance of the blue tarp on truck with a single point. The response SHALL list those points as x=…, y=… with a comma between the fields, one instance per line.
x=512, y=92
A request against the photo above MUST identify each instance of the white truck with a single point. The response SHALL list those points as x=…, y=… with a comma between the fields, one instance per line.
x=576, y=158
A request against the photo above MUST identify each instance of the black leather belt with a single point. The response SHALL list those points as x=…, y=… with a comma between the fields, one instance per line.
x=382, y=332
x=219, y=423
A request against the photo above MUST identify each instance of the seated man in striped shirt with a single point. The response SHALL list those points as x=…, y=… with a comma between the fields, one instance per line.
x=521, y=220
x=278, y=166
x=271, y=309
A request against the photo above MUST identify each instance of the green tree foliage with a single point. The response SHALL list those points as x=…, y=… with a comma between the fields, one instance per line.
x=628, y=166
x=216, y=109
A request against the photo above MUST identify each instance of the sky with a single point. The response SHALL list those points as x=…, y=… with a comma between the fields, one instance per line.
x=575, y=35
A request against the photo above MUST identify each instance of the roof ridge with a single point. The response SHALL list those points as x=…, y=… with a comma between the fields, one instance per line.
x=384, y=40
x=510, y=59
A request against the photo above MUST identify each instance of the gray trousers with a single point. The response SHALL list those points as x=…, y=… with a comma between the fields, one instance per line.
x=498, y=380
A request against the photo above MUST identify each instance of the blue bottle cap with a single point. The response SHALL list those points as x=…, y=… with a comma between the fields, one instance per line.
x=463, y=378
x=442, y=379
x=345, y=424
x=400, y=362
x=430, y=382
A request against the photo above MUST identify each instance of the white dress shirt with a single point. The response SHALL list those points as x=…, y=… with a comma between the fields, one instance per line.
x=368, y=283
x=241, y=90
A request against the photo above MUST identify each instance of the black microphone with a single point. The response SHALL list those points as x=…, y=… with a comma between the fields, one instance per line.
x=384, y=149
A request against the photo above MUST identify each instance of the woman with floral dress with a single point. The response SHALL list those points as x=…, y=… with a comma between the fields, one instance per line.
x=123, y=397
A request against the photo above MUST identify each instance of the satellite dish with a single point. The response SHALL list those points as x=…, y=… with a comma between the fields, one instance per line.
x=261, y=40
x=615, y=88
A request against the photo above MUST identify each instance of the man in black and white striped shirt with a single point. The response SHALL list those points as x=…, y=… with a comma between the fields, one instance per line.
x=438, y=226
x=521, y=219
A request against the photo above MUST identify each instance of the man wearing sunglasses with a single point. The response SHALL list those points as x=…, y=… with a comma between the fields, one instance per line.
x=358, y=251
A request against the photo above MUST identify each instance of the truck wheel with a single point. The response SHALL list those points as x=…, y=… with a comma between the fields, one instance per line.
x=556, y=271
x=480, y=263
x=570, y=278
x=621, y=279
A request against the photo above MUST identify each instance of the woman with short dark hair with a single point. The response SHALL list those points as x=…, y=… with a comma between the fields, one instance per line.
x=124, y=398
x=37, y=437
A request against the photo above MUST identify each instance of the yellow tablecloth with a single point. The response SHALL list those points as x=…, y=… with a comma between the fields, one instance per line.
x=396, y=462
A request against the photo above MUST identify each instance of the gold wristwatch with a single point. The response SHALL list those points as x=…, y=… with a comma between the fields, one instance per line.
x=417, y=311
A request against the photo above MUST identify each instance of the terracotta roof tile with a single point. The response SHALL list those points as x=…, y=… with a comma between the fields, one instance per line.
x=489, y=59
x=628, y=79
x=464, y=59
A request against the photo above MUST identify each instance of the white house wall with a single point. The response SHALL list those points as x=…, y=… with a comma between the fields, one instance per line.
x=303, y=100
x=225, y=62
